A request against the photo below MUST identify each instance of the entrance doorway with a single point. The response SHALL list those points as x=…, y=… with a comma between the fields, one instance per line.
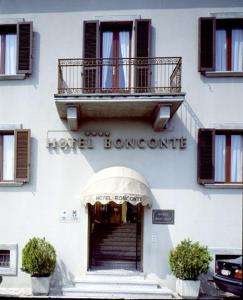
x=115, y=236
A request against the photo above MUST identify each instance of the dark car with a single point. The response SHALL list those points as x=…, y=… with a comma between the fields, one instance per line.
x=228, y=275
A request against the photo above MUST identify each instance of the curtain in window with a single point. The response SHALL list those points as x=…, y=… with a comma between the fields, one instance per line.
x=237, y=50
x=10, y=54
x=220, y=50
x=220, y=147
x=8, y=157
x=236, y=158
x=124, y=53
x=107, y=50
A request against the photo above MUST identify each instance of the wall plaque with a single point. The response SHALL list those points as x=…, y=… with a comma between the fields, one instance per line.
x=163, y=216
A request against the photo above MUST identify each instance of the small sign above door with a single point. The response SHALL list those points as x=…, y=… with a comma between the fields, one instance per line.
x=163, y=216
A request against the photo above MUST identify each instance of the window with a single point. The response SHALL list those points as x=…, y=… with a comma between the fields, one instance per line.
x=115, y=50
x=14, y=155
x=220, y=156
x=8, y=50
x=8, y=259
x=221, y=45
x=4, y=258
x=107, y=53
x=15, y=49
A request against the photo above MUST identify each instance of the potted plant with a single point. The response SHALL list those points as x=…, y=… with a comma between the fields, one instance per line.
x=187, y=261
x=39, y=260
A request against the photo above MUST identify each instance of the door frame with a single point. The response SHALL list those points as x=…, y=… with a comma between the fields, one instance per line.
x=89, y=248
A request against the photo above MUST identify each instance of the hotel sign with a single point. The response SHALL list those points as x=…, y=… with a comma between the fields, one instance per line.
x=117, y=143
x=162, y=216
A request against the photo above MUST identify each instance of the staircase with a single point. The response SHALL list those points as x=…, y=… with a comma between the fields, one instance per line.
x=116, y=246
x=116, y=284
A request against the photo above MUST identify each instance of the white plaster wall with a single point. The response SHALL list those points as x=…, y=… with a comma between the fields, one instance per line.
x=211, y=216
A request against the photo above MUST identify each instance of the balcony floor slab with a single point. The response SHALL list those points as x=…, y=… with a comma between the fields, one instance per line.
x=114, y=106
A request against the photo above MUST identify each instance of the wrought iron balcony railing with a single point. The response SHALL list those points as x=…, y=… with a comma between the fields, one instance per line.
x=120, y=76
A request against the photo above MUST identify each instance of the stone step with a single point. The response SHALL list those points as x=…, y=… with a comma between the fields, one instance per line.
x=122, y=243
x=117, y=293
x=118, y=247
x=115, y=256
x=114, y=233
x=114, y=281
x=119, y=274
x=112, y=264
x=122, y=225
x=115, y=240
x=110, y=228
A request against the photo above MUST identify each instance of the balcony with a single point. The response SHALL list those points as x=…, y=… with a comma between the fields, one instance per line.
x=143, y=88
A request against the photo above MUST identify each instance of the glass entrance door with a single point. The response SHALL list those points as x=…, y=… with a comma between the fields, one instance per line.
x=115, y=236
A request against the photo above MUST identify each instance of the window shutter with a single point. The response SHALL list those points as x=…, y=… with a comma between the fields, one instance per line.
x=1, y=157
x=142, y=52
x=22, y=155
x=91, y=50
x=24, y=47
x=206, y=56
x=206, y=156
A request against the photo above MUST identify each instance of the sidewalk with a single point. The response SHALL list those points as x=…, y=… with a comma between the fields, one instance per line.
x=26, y=293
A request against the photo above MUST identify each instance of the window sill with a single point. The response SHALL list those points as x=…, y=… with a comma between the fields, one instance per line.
x=11, y=183
x=12, y=77
x=223, y=185
x=223, y=74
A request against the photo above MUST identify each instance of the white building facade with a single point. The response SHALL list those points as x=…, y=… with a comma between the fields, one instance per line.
x=117, y=102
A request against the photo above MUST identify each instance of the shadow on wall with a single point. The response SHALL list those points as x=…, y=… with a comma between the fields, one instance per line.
x=208, y=287
x=60, y=278
x=157, y=237
x=164, y=168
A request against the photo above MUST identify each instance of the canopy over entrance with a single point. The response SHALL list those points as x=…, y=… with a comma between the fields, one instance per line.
x=117, y=184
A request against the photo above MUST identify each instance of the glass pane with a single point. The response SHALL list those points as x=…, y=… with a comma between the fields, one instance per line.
x=220, y=148
x=1, y=55
x=236, y=158
x=220, y=50
x=107, y=53
x=10, y=54
x=8, y=157
x=4, y=258
x=237, y=50
x=124, y=37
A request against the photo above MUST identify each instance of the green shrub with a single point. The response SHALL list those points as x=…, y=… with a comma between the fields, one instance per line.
x=188, y=260
x=38, y=257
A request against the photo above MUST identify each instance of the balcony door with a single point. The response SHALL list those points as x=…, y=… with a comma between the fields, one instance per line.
x=107, y=64
x=115, y=54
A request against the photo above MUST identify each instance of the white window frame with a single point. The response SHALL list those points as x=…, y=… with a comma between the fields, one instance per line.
x=10, y=127
x=12, y=269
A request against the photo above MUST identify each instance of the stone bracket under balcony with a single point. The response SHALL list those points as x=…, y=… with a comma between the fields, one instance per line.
x=157, y=109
